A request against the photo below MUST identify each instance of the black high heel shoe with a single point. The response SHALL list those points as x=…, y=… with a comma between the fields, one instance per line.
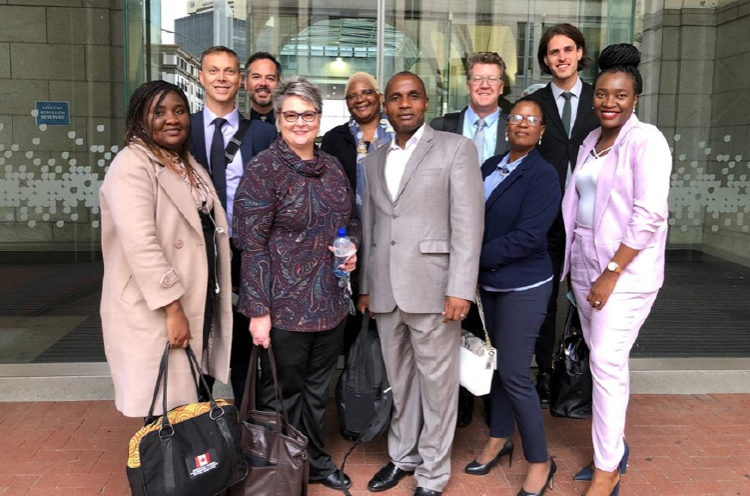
x=548, y=484
x=474, y=468
x=586, y=473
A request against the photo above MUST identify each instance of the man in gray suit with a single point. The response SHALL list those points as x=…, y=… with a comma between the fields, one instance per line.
x=423, y=216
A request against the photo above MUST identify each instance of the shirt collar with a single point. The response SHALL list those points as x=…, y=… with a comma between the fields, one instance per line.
x=510, y=166
x=576, y=89
x=488, y=121
x=233, y=117
x=412, y=141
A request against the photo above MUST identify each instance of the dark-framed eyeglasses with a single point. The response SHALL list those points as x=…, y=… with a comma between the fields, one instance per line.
x=363, y=94
x=532, y=120
x=291, y=116
x=490, y=79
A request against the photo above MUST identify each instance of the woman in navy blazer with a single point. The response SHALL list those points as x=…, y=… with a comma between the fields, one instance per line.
x=522, y=193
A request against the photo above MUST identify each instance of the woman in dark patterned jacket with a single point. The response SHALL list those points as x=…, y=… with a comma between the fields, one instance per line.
x=290, y=203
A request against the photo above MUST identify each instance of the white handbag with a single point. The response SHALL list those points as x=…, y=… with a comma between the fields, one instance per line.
x=477, y=358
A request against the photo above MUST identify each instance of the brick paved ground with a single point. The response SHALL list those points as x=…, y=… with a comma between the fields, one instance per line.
x=680, y=445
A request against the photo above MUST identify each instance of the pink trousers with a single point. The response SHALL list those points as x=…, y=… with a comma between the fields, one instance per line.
x=610, y=334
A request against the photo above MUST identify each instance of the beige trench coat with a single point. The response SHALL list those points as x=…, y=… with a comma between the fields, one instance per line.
x=154, y=254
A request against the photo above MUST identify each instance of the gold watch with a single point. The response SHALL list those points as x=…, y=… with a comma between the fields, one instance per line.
x=614, y=267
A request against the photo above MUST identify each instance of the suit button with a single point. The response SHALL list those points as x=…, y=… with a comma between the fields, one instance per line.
x=178, y=244
x=393, y=243
x=395, y=216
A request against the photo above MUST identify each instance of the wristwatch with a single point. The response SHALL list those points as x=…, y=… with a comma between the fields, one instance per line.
x=614, y=267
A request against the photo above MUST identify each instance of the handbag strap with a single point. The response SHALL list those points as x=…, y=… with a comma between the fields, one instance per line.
x=162, y=366
x=248, y=401
x=480, y=308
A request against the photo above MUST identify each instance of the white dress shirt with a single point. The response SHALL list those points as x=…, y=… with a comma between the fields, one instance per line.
x=395, y=162
x=235, y=167
x=586, y=179
x=560, y=102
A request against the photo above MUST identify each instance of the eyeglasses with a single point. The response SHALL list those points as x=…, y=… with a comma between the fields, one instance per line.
x=364, y=94
x=489, y=79
x=292, y=117
x=532, y=120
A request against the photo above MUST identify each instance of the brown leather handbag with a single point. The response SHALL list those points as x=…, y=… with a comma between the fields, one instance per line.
x=275, y=451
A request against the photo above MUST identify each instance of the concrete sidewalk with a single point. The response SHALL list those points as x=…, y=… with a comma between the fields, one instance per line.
x=680, y=445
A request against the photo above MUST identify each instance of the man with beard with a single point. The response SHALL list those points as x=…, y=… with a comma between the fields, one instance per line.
x=212, y=129
x=423, y=217
x=262, y=74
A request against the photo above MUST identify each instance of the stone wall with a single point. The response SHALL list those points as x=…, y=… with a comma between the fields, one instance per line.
x=57, y=50
x=696, y=79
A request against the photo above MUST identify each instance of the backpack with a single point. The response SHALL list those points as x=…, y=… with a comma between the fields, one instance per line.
x=363, y=394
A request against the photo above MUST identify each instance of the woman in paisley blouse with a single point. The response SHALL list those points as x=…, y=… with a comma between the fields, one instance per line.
x=367, y=130
x=290, y=203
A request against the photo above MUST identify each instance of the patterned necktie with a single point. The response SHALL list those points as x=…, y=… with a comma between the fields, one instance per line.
x=218, y=162
x=479, y=139
x=567, y=95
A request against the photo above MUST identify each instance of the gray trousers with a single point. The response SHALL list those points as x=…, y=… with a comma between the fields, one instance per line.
x=421, y=358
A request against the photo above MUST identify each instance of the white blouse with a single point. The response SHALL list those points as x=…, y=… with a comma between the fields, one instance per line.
x=586, y=188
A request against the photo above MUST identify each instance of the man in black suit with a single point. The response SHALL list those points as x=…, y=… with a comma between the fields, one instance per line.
x=483, y=122
x=211, y=132
x=262, y=74
x=567, y=105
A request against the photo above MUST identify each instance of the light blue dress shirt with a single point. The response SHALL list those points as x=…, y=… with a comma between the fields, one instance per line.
x=235, y=168
x=491, y=182
x=490, y=131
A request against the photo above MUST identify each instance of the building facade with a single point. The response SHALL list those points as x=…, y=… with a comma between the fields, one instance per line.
x=67, y=70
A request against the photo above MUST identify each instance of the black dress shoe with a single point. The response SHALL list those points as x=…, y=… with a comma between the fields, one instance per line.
x=474, y=468
x=465, y=407
x=386, y=478
x=333, y=480
x=542, y=386
x=421, y=491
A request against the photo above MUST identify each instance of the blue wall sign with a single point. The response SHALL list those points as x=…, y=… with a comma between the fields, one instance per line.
x=53, y=113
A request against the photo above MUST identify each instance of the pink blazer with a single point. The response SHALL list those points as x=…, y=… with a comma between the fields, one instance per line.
x=631, y=204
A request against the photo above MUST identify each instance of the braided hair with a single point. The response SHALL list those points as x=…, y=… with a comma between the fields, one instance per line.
x=622, y=57
x=137, y=129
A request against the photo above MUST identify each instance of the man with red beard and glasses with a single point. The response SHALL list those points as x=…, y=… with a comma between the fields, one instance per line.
x=262, y=74
x=567, y=105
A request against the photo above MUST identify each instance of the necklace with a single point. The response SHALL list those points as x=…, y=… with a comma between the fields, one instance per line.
x=601, y=153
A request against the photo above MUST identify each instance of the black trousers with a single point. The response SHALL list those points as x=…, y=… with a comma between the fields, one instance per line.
x=208, y=315
x=513, y=321
x=305, y=362
x=545, y=345
x=242, y=340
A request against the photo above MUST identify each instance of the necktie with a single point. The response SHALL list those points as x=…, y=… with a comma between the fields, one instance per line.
x=218, y=162
x=479, y=139
x=567, y=95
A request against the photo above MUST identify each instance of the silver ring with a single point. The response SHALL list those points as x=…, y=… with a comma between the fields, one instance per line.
x=463, y=315
x=597, y=302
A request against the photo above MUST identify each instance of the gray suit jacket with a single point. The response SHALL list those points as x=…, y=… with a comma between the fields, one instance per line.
x=423, y=245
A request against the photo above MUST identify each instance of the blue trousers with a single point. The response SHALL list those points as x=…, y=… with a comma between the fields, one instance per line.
x=513, y=321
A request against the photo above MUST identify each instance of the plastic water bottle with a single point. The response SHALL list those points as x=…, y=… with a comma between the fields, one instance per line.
x=342, y=245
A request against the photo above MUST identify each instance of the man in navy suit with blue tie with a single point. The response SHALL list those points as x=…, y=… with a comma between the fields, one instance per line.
x=212, y=129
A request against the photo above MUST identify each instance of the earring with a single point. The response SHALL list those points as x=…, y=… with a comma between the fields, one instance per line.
x=506, y=135
x=633, y=108
x=540, y=140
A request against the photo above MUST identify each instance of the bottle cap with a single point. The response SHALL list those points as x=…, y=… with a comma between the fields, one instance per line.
x=341, y=232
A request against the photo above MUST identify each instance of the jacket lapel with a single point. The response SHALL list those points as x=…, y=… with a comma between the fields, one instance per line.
x=606, y=176
x=584, y=108
x=246, y=148
x=508, y=181
x=460, y=125
x=501, y=144
x=424, y=145
x=179, y=192
x=382, y=157
x=198, y=137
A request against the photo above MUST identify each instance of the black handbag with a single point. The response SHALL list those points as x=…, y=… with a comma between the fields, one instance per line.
x=570, y=384
x=275, y=451
x=191, y=450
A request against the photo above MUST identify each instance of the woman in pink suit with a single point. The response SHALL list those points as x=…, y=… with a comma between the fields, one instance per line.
x=615, y=211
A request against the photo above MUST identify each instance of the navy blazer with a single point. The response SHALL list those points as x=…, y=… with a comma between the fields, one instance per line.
x=517, y=216
x=259, y=136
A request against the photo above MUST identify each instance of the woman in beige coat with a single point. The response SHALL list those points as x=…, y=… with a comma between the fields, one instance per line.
x=166, y=257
